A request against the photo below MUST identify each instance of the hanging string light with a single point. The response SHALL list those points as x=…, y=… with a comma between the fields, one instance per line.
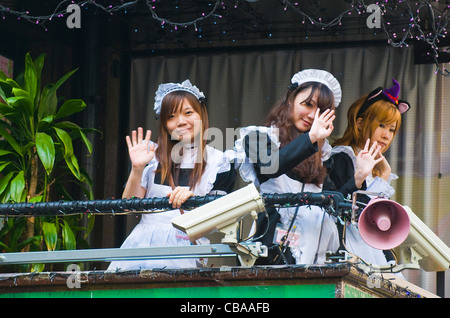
x=390, y=13
x=163, y=21
x=400, y=20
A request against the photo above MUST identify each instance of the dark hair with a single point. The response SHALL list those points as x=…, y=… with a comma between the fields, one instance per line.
x=169, y=170
x=310, y=170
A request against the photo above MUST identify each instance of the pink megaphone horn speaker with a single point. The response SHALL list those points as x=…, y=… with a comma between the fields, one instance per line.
x=384, y=224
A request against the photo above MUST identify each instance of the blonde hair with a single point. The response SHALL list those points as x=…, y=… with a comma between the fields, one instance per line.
x=380, y=112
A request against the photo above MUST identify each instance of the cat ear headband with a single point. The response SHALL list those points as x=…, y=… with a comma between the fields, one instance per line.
x=323, y=77
x=389, y=94
x=164, y=89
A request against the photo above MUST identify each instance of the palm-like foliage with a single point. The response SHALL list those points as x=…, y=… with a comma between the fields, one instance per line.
x=37, y=155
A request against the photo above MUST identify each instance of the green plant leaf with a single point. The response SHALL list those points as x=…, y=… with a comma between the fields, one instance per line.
x=37, y=268
x=70, y=107
x=87, y=142
x=39, y=64
x=69, y=157
x=26, y=100
x=21, y=135
x=12, y=83
x=46, y=151
x=45, y=124
x=28, y=241
x=67, y=125
x=4, y=152
x=4, y=181
x=17, y=187
x=48, y=101
x=48, y=119
x=7, y=110
x=18, y=92
x=6, y=248
x=91, y=223
x=37, y=198
x=22, y=104
x=72, y=163
x=69, y=241
x=3, y=164
x=17, y=229
x=5, y=89
x=64, y=78
x=66, y=140
x=13, y=143
x=30, y=77
x=78, y=131
x=50, y=235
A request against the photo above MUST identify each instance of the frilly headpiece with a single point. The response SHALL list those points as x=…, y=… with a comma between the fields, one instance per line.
x=388, y=94
x=313, y=75
x=164, y=89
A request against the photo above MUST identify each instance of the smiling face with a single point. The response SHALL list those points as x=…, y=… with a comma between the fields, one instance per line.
x=183, y=117
x=184, y=124
x=304, y=102
x=303, y=111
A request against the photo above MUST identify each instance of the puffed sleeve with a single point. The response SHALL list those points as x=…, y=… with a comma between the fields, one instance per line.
x=146, y=180
x=220, y=174
x=264, y=159
x=379, y=185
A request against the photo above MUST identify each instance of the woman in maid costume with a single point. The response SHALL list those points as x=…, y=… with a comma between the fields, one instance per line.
x=180, y=165
x=285, y=156
x=357, y=161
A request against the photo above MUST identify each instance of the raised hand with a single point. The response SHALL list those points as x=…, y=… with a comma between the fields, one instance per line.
x=140, y=150
x=322, y=126
x=366, y=160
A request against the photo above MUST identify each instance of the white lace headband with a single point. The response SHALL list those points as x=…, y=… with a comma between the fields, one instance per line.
x=313, y=75
x=164, y=89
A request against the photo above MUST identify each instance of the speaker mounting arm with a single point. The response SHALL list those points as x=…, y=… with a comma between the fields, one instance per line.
x=355, y=207
x=343, y=256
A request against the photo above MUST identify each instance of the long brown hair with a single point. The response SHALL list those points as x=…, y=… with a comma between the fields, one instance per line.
x=380, y=112
x=310, y=170
x=168, y=168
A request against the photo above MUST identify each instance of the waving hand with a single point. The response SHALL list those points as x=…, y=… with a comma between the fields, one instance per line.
x=141, y=150
x=322, y=126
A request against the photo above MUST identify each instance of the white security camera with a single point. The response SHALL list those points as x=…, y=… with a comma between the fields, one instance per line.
x=222, y=214
x=422, y=247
